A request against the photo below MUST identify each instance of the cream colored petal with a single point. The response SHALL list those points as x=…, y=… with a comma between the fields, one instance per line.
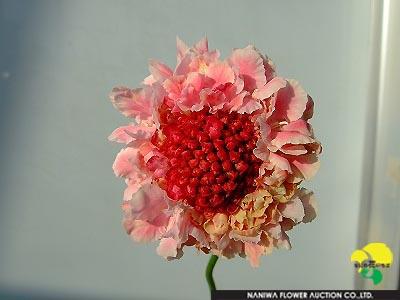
x=218, y=225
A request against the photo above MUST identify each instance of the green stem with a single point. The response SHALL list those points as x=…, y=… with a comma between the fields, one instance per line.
x=209, y=272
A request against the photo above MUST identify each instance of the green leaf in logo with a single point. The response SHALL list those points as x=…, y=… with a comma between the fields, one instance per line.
x=375, y=275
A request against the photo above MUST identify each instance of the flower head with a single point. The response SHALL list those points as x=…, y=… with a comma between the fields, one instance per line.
x=215, y=154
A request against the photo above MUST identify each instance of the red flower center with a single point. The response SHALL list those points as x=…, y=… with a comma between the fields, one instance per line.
x=212, y=165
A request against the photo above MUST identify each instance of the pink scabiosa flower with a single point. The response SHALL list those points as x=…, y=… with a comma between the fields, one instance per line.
x=215, y=154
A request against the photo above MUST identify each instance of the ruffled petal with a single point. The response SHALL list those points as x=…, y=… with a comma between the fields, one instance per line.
x=293, y=210
x=308, y=165
x=218, y=225
x=291, y=102
x=127, y=163
x=132, y=134
x=261, y=151
x=200, y=236
x=134, y=184
x=179, y=226
x=221, y=73
x=247, y=237
x=149, y=80
x=249, y=106
x=290, y=137
x=167, y=248
x=147, y=203
x=173, y=87
x=202, y=45
x=236, y=102
x=250, y=66
x=280, y=162
x=270, y=88
x=181, y=49
x=144, y=231
x=159, y=70
x=293, y=149
x=253, y=252
x=215, y=99
x=299, y=126
x=157, y=164
x=136, y=103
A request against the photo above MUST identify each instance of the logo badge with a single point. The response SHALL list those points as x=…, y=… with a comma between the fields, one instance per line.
x=371, y=259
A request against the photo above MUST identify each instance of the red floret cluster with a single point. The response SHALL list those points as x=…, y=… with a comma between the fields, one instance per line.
x=212, y=165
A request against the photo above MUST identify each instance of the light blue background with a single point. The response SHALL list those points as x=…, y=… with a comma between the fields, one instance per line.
x=60, y=219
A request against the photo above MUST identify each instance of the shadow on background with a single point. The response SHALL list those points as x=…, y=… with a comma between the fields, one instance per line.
x=15, y=17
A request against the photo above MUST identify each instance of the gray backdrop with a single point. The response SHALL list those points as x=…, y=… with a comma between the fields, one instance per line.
x=60, y=219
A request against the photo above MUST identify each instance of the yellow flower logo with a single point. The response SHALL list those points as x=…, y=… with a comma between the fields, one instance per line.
x=370, y=259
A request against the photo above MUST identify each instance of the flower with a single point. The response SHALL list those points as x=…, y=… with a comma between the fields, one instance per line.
x=215, y=154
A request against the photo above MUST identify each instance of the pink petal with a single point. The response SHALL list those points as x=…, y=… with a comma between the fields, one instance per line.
x=200, y=236
x=249, y=106
x=221, y=241
x=179, y=226
x=202, y=45
x=149, y=80
x=126, y=163
x=308, y=165
x=215, y=99
x=132, y=133
x=261, y=151
x=293, y=149
x=221, y=73
x=146, y=150
x=134, y=184
x=293, y=209
x=291, y=101
x=148, y=203
x=253, y=252
x=274, y=230
x=159, y=70
x=167, y=248
x=239, y=236
x=158, y=98
x=300, y=126
x=270, y=88
x=198, y=81
x=184, y=66
x=173, y=87
x=181, y=48
x=290, y=137
x=192, y=93
x=144, y=231
x=276, y=178
x=236, y=102
x=238, y=85
x=136, y=103
x=269, y=68
x=250, y=65
x=190, y=100
x=280, y=162
x=158, y=164
x=265, y=129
